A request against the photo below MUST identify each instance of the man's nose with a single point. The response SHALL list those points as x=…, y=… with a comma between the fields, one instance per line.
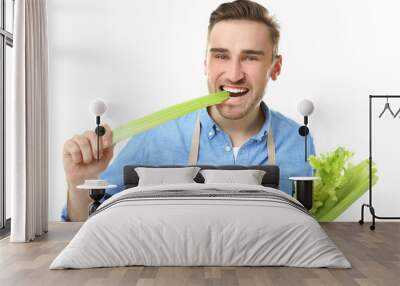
x=235, y=72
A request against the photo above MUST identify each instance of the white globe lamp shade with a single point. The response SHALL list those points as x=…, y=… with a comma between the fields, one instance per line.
x=305, y=107
x=97, y=107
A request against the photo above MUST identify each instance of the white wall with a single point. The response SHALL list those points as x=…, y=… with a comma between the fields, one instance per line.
x=141, y=56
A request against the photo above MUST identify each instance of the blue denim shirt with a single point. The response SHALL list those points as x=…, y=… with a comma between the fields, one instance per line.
x=169, y=143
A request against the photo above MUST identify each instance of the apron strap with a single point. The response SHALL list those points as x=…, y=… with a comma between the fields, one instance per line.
x=271, y=148
x=194, y=149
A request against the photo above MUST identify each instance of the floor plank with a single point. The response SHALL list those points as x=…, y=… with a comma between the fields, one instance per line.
x=374, y=255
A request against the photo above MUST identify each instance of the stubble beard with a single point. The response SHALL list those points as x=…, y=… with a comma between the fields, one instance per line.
x=232, y=113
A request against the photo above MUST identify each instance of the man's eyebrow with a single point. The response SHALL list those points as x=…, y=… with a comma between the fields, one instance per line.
x=253, y=52
x=218, y=50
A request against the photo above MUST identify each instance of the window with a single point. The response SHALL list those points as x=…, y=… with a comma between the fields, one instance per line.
x=6, y=44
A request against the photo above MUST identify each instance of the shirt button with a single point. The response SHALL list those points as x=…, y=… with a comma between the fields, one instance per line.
x=210, y=134
x=227, y=148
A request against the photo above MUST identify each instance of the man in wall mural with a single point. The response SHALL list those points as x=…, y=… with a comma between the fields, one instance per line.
x=241, y=58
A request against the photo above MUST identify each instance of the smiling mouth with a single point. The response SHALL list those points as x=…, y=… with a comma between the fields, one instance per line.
x=234, y=91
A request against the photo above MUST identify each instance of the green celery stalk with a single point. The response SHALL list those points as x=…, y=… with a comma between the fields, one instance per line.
x=330, y=168
x=353, y=192
x=149, y=121
x=352, y=178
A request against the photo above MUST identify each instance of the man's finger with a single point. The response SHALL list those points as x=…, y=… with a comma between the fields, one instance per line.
x=71, y=148
x=107, y=137
x=86, y=149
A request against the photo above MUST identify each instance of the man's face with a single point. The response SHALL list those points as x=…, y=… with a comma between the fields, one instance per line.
x=239, y=59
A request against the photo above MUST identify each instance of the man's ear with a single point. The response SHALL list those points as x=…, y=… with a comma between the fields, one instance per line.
x=276, y=69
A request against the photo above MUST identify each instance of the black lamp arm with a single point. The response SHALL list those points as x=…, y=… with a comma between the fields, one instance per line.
x=303, y=131
x=100, y=131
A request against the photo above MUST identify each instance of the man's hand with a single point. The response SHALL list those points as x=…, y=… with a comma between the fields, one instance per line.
x=80, y=156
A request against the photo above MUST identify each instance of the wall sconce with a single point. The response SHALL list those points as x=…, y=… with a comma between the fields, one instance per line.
x=305, y=108
x=96, y=187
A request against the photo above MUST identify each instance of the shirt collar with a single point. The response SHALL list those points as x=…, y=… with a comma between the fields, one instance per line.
x=211, y=128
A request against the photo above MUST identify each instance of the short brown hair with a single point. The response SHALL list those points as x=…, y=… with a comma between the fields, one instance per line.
x=247, y=10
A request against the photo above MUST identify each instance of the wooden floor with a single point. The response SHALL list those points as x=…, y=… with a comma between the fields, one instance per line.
x=374, y=255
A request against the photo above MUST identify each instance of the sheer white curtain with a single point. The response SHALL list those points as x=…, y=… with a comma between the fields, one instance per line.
x=29, y=139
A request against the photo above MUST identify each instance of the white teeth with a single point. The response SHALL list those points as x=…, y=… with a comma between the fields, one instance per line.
x=234, y=90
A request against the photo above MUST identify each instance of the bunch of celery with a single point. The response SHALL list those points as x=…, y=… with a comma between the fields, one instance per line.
x=341, y=183
x=149, y=121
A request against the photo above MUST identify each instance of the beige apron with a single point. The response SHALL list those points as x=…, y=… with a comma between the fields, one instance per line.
x=194, y=149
